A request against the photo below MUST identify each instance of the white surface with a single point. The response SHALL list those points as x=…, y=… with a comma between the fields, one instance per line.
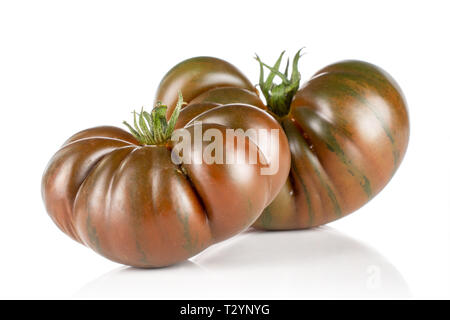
x=66, y=66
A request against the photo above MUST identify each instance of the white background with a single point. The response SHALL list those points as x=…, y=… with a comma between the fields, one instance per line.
x=70, y=65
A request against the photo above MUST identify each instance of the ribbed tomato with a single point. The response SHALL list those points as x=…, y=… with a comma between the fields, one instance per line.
x=124, y=196
x=347, y=127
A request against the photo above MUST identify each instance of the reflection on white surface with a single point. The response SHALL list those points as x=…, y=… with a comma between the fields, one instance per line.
x=319, y=263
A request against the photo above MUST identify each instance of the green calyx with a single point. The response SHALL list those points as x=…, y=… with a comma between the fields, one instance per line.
x=153, y=128
x=279, y=96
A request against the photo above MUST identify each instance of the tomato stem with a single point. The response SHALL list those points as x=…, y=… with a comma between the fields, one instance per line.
x=153, y=128
x=279, y=96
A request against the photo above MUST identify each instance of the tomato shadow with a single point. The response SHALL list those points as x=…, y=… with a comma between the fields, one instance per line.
x=319, y=263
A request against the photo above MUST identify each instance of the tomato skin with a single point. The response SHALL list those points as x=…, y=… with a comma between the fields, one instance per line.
x=348, y=131
x=133, y=205
x=195, y=76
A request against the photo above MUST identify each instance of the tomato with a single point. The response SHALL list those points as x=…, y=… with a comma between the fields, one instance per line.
x=347, y=127
x=122, y=195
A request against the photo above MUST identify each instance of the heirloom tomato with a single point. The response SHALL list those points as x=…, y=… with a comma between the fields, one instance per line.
x=347, y=127
x=124, y=196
